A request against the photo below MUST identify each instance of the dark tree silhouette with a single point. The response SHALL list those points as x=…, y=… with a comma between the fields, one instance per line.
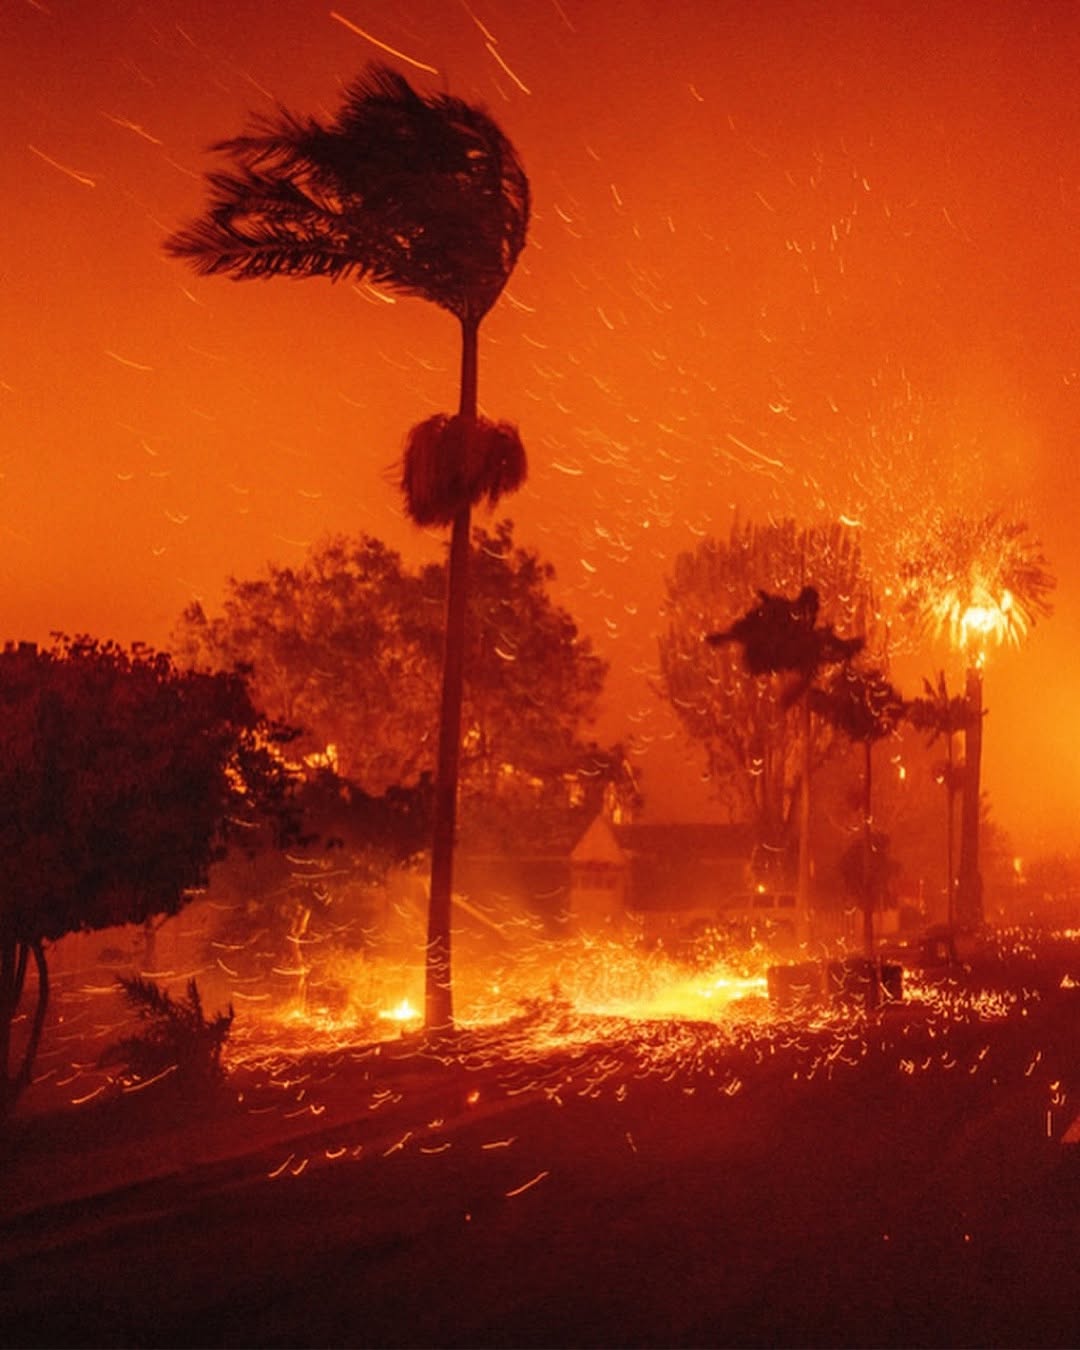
x=780, y=636
x=121, y=779
x=865, y=707
x=427, y=197
x=757, y=754
x=346, y=647
x=944, y=716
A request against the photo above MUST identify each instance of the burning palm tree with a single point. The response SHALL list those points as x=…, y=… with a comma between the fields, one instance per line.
x=982, y=582
x=427, y=197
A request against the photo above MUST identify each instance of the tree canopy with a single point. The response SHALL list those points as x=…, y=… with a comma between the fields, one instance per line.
x=122, y=779
x=344, y=647
x=744, y=718
x=535, y=680
x=424, y=195
x=347, y=647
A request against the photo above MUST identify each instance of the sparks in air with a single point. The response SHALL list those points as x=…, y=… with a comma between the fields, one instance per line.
x=383, y=46
x=520, y=84
x=83, y=178
x=127, y=125
x=126, y=361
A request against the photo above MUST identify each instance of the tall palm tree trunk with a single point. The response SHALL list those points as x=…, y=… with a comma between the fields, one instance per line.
x=12, y=973
x=969, y=905
x=873, y=974
x=37, y=1024
x=950, y=831
x=438, y=989
x=867, y=851
x=803, y=878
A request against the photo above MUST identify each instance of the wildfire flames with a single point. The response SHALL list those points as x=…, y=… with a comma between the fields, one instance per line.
x=404, y=1012
x=328, y=1079
x=981, y=619
x=587, y=978
x=577, y=1016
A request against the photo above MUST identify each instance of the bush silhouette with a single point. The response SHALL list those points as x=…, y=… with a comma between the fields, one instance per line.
x=178, y=1040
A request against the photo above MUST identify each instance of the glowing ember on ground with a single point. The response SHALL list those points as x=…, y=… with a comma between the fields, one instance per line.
x=579, y=1018
x=404, y=1012
x=585, y=990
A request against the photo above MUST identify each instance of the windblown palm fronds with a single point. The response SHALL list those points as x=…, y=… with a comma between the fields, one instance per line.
x=938, y=712
x=781, y=635
x=425, y=196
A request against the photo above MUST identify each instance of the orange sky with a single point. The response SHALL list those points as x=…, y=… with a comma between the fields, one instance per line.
x=806, y=258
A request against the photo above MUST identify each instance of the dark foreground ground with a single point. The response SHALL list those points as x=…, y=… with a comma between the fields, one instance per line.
x=892, y=1181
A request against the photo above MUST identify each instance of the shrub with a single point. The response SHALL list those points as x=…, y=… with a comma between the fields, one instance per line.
x=178, y=1040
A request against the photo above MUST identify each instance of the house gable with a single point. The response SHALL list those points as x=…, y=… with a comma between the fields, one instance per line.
x=599, y=844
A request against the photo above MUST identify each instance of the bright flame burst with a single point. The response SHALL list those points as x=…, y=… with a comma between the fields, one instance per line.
x=403, y=1012
x=560, y=1018
x=979, y=580
x=977, y=618
x=574, y=980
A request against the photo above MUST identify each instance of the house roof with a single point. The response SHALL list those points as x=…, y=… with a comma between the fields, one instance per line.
x=599, y=844
x=705, y=843
x=670, y=866
x=675, y=842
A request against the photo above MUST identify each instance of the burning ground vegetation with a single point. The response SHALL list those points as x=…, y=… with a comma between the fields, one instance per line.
x=580, y=1072
x=559, y=1018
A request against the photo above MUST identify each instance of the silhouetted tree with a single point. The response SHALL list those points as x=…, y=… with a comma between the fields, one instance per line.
x=427, y=197
x=862, y=704
x=944, y=716
x=742, y=698
x=535, y=680
x=346, y=647
x=121, y=781
x=780, y=636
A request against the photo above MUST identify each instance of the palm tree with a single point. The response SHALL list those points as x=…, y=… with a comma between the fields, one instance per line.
x=944, y=715
x=983, y=581
x=427, y=197
x=865, y=707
